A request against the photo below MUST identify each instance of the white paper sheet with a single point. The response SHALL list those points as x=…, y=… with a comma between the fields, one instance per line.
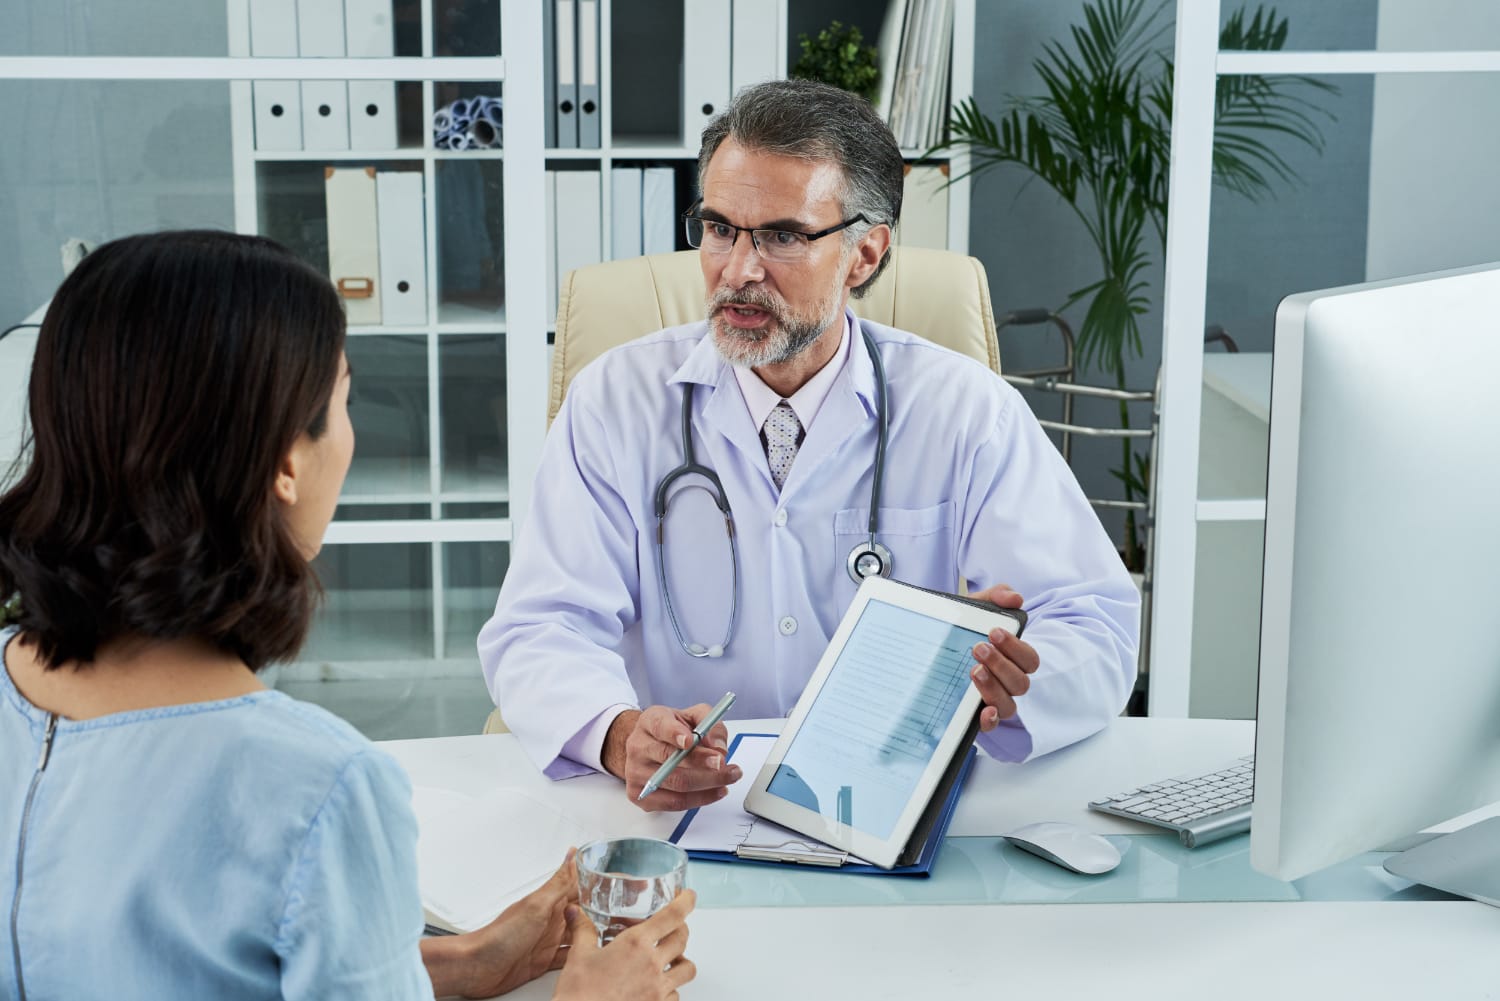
x=724, y=826
x=476, y=856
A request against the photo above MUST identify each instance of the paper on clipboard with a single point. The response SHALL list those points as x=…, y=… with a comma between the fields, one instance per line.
x=725, y=827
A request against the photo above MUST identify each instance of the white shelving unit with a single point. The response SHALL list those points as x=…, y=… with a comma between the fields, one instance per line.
x=421, y=539
x=1191, y=520
x=622, y=143
x=450, y=412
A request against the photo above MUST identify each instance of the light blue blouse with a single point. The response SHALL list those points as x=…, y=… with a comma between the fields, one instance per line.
x=255, y=847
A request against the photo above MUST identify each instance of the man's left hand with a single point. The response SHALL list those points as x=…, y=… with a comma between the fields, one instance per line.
x=1004, y=665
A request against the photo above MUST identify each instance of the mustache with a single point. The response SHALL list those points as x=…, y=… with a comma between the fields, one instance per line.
x=758, y=298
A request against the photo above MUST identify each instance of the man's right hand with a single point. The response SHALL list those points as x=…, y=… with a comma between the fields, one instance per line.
x=638, y=742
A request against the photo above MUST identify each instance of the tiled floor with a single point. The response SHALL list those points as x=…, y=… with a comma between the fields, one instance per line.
x=389, y=710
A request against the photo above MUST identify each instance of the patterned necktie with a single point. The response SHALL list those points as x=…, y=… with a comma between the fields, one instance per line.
x=782, y=433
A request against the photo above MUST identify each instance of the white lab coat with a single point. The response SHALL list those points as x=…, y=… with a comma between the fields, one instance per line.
x=973, y=489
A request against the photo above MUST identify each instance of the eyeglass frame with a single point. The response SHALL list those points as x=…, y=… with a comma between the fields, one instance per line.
x=688, y=218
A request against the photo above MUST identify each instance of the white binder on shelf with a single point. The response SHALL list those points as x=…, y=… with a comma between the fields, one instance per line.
x=924, y=207
x=589, y=115
x=354, y=241
x=273, y=27
x=325, y=103
x=565, y=64
x=277, y=104
x=579, y=209
x=706, y=46
x=754, y=43
x=403, y=247
x=625, y=213
x=278, y=114
x=904, y=97
x=325, y=115
x=889, y=47
x=935, y=75
x=658, y=210
x=320, y=27
x=369, y=32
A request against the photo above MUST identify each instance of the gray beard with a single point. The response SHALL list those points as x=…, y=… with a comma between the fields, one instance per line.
x=788, y=337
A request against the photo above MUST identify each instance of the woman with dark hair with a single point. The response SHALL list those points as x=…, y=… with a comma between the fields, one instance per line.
x=179, y=830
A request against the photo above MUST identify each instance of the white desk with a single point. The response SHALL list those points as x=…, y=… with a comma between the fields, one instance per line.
x=894, y=947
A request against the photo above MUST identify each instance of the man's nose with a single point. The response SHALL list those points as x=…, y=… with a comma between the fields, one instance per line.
x=744, y=265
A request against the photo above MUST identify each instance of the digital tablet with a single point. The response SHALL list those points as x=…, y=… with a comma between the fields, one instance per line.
x=888, y=709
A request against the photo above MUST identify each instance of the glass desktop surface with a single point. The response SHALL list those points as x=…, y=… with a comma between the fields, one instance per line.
x=1153, y=869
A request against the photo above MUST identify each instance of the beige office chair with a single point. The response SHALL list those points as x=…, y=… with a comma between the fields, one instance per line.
x=941, y=295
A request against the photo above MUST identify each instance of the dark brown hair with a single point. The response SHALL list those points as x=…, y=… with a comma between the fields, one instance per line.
x=173, y=373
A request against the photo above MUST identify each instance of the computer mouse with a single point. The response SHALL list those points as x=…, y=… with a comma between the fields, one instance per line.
x=1068, y=845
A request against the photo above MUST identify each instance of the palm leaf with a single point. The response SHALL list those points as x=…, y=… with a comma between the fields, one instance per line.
x=1099, y=135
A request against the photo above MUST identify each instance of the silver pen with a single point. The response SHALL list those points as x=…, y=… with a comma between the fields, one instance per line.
x=699, y=732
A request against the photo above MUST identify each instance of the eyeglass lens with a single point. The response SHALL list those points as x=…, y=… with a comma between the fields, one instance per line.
x=718, y=238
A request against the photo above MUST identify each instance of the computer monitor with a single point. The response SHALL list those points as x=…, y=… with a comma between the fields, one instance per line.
x=1379, y=702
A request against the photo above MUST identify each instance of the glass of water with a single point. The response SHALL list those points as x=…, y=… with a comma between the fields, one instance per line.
x=623, y=881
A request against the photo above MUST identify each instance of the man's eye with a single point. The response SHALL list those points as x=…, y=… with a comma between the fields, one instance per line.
x=784, y=239
x=721, y=230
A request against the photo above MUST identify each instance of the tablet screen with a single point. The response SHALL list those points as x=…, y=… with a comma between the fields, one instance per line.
x=877, y=722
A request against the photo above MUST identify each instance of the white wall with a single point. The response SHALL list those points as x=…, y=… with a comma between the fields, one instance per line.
x=1435, y=144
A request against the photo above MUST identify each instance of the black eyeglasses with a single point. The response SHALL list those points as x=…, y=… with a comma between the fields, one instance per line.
x=784, y=246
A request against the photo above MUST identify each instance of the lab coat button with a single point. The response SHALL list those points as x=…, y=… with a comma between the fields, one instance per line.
x=788, y=626
x=781, y=518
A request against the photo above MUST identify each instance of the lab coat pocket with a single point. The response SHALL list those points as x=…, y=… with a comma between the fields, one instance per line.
x=920, y=541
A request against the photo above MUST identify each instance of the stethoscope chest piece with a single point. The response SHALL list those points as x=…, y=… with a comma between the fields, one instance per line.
x=869, y=559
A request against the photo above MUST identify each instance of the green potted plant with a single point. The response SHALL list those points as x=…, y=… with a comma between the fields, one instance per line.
x=1100, y=137
x=838, y=56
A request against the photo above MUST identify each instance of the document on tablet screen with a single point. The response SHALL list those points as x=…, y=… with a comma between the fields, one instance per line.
x=878, y=719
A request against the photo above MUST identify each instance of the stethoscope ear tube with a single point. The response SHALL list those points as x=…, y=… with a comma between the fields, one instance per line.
x=690, y=466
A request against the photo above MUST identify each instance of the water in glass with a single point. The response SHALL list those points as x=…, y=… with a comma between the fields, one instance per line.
x=623, y=881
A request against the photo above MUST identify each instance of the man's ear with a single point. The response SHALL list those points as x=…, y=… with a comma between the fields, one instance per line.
x=867, y=254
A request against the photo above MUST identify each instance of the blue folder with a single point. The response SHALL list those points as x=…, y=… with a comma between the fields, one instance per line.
x=930, y=829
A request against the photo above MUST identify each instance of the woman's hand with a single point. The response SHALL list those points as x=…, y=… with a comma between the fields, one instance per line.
x=644, y=963
x=524, y=942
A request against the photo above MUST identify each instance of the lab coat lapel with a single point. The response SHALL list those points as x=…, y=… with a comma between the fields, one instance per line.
x=721, y=404
x=848, y=408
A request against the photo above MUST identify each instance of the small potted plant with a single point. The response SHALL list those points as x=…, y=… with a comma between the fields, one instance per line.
x=838, y=56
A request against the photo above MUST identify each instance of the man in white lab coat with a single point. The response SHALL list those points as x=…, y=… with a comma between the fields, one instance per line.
x=596, y=669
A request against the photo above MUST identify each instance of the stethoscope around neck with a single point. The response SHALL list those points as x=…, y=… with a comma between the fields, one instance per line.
x=868, y=559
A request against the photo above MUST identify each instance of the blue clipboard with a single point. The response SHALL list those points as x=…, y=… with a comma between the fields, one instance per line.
x=932, y=828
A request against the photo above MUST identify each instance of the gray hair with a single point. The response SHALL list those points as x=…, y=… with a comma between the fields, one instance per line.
x=814, y=121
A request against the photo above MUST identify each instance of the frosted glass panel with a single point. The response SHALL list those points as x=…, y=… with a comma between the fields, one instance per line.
x=473, y=572
x=378, y=605
x=472, y=370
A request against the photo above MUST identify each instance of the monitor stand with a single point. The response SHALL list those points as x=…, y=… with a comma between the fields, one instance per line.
x=1466, y=862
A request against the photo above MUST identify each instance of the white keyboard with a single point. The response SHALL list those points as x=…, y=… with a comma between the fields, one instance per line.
x=1200, y=806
